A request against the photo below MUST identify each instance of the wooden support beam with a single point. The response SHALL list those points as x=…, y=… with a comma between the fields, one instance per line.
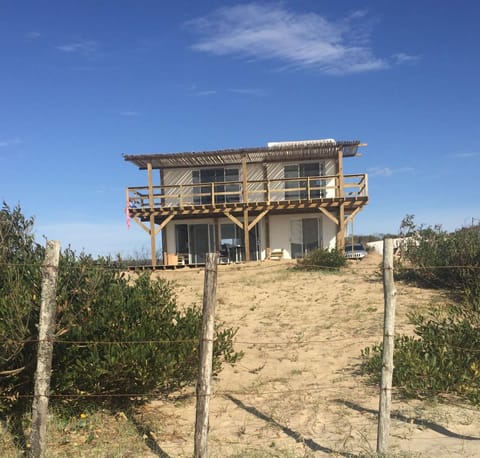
x=212, y=191
x=244, y=179
x=268, y=248
x=341, y=228
x=150, y=185
x=246, y=235
x=257, y=219
x=233, y=219
x=340, y=173
x=164, y=223
x=328, y=215
x=153, y=245
x=352, y=215
x=266, y=183
x=162, y=183
x=140, y=223
x=217, y=235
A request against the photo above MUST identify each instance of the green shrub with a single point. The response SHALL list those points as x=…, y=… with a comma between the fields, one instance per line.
x=437, y=258
x=444, y=355
x=442, y=358
x=95, y=302
x=20, y=284
x=322, y=259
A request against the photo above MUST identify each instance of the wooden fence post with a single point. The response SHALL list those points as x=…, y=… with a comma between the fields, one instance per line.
x=388, y=345
x=206, y=357
x=45, y=349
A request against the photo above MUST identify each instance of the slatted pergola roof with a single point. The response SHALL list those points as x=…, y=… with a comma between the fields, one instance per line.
x=291, y=151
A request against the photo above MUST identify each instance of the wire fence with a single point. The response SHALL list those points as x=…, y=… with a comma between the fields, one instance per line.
x=345, y=390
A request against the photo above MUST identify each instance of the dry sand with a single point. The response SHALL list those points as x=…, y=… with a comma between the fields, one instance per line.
x=297, y=392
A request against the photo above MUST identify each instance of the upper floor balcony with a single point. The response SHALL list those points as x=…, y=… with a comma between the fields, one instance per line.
x=324, y=190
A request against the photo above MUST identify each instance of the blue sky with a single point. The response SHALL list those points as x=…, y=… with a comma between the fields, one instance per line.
x=83, y=82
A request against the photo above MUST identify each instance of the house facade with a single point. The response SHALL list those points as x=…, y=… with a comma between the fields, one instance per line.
x=288, y=198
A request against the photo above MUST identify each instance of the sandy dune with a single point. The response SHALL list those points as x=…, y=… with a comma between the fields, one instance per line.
x=297, y=392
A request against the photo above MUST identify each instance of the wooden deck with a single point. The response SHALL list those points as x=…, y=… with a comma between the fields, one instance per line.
x=328, y=192
x=245, y=203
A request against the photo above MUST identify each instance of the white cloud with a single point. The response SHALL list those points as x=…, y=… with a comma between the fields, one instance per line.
x=465, y=155
x=85, y=47
x=11, y=142
x=404, y=58
x=206, y=92
x=387, y=171
x=304, y=40
x=33, y=35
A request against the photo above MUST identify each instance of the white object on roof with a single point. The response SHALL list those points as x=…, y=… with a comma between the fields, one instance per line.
x=321, y=141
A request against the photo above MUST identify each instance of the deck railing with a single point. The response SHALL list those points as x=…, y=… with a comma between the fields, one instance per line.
x=231, y=192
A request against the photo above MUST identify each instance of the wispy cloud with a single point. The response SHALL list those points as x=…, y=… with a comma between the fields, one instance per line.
x=387, y=171
x=84, y=47
x=130, y=114
x=33, y=35
x=206, y=92
x=249, y=91
x=465, y=155
x=303, y=40
x=10, y=142
x=404, y=58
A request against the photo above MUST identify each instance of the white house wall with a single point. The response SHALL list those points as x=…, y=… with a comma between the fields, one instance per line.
x=275, y=171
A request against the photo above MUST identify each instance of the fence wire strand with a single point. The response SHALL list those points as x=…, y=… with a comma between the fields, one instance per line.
x=328, y=388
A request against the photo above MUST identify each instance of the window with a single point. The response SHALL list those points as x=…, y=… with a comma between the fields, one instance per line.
x=297, y=190
x=223, y=192
x=232, y=243
x=305, y=236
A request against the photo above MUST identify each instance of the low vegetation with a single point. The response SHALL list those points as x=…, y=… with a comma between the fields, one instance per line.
x=322, y=259
x=443, y=356
x=114, y=335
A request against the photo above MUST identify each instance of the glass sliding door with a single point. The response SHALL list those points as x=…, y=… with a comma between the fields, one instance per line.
x=297, y=190
x=181, y=239
x=310, y=235
x=194, y=240
x=292, y=191
x=232, y=243
x=305, y=236
x=296, y=239
x=223, y=192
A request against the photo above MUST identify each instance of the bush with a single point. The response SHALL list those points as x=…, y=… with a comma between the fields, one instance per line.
x=95, y=302
x=442, y=259
x=322, y=259
x=443, y=358
x=20, y=284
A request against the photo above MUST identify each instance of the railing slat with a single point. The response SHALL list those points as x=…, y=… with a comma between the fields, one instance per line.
x=257, y=190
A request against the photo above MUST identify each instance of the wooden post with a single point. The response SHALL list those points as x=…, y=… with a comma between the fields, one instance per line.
x=246, y=237
x=246, y=234
x=206, y=357
x=217, y=235
x=341, y=228
x=45, y=349
x=212, y=192
x=151, y=203
x=340, y=173
x=388, y=345
x=244, y=180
